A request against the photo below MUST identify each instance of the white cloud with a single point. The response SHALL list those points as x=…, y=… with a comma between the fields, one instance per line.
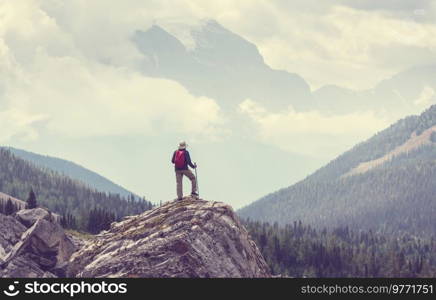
x=75, y=60
x=324, y=42
x=311, y=133
x=14, y=122
x=328, y=46
x=85, y=99
x=327, y=41
x=48, y=72
x=426, y=98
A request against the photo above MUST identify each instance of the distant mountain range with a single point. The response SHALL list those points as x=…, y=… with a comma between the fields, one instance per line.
x=408, y=91
x=236, y=71
x=385, y=183
x=72, y=170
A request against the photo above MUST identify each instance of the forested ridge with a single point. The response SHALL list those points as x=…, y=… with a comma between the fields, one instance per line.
x=299, y=250
x=398, y=196
x=72, y=170
x=65, y=196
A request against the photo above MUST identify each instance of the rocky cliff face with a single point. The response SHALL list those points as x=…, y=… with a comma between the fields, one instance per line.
x=33, y=244
x=189, y=238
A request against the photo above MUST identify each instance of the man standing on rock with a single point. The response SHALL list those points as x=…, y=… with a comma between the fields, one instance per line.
x=181, y=160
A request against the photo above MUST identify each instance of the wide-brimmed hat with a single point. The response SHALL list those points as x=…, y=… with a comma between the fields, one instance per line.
x=182, y=145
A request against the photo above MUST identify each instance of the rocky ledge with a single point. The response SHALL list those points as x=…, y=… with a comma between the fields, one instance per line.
x=188, y=238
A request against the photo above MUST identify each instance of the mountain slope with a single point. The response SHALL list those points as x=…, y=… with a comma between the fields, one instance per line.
x=72, y=170
x=19, y=204
x=413, y=143
x=397, y=194
x=60, y=193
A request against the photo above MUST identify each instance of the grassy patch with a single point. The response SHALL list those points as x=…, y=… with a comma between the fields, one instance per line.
x=80, y=234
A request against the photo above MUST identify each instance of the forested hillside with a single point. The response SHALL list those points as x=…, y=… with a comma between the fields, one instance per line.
x=299, y=250
x=397, y=196
x=62, y=194
x=72, y=170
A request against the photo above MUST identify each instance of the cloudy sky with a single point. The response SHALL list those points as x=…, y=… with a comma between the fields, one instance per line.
x=326, y=41
x=69, y=75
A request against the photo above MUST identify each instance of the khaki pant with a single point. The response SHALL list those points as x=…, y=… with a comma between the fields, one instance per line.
x=179, y=180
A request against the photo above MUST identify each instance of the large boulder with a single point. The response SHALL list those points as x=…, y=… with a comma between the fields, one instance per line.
x=34, y=245
x=188, y=238
x=28, y=217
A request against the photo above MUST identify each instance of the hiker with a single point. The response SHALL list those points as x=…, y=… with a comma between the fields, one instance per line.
x=181, y=161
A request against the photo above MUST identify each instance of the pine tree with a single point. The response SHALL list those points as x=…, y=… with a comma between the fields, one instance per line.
x=91, y=227
x=63, y=221
x=31, y=200
x=298, y=250
x=9, y=207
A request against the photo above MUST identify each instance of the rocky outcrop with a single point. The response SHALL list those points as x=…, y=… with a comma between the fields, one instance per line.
x=33, y=244
x=188, y=238
x=28, y=217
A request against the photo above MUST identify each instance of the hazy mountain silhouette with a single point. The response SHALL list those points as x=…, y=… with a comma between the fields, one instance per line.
x=223, y=66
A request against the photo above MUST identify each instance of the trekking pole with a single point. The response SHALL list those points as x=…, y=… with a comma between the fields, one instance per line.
x=196, y=180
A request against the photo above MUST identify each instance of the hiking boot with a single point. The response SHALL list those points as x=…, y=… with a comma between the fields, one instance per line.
x=194, y=194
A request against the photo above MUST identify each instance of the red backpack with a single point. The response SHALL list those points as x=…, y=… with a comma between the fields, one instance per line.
x=179, y=159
